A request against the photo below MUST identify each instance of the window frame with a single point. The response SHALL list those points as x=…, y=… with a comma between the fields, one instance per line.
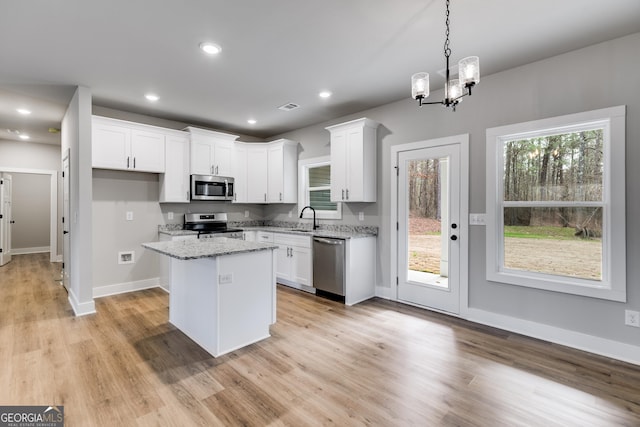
x=613, y=283
x=303, y=188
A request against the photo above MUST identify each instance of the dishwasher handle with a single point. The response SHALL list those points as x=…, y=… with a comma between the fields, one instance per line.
x=329, y=241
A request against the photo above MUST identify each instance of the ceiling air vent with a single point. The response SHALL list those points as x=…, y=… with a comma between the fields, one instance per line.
x=288, y=106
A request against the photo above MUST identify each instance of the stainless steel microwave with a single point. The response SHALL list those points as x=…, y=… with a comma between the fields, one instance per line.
x=211, y=187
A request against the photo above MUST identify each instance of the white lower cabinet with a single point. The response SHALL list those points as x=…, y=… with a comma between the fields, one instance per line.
x=249, y=235
x=165, y=261
x=294, y=261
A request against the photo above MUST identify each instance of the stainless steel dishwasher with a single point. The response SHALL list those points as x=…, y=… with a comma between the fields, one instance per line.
x=328, y=265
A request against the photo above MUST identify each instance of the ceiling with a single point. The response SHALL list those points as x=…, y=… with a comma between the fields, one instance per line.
x=273, y=52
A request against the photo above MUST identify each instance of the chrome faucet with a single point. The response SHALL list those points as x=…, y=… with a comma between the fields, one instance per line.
x=315, y=225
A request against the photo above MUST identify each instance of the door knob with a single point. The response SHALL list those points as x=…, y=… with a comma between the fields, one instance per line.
x=454, y=237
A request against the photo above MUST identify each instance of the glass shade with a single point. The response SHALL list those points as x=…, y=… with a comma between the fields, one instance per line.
x=469, y=70
x=455, y=90
x=420, y=85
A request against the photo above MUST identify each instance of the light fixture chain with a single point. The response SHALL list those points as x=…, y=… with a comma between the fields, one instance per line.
x=447, y=49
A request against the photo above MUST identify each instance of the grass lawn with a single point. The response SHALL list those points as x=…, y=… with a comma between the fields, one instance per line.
x=540, y=232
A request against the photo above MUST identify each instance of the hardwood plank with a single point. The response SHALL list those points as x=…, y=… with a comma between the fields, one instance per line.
x=376, y=363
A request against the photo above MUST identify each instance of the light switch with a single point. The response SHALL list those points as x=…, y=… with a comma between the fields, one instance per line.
x=477, y=219
x=169, y=216
x=129, y=215
x=361, y=216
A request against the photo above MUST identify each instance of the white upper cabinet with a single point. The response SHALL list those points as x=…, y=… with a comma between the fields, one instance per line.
x=240, y=173
x=271, y=172
x=175, y=181
x=212, y=153
x=282, y=171
x=353, y=161
x=257, y=172
x=117, y=144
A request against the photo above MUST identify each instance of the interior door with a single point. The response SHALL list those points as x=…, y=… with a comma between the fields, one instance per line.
x=66, y=222
x=6, y=219
x=429, y=227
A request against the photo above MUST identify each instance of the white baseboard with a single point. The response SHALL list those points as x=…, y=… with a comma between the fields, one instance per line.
x=81, y=309
x=121, y=288
x=24, y=251
x=601, y=346
x=383, y=292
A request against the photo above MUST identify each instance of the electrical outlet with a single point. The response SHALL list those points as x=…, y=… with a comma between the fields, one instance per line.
x=129, y=216
x=290, y=214
x=246, y=214
x=169, y=216
x=632, y=318
x=361, y=216
x=225, y=278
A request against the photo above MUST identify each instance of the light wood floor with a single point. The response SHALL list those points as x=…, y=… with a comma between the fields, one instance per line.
x=378, y=363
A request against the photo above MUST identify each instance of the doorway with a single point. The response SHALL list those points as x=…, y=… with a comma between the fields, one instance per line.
x=431, y=228
x=6, y=218
x=54, y=230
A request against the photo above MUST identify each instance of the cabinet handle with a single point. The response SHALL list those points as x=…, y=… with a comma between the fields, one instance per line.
x=211, y=169
x=134, y=162
x=343, y=194
x=187, y=196
x=265, y=197
x=280, y=196
x=347, y=194
x=127, y=162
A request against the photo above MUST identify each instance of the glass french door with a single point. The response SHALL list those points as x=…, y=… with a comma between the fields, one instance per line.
x=428, y=227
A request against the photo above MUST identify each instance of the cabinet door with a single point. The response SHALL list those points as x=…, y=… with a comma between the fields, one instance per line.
x=201, y=158
x=147, y=151
x=256, y=175
x=223, y=158
x=240, y=174
x=338, y=166
x=301, y=263
x=275, y=177
x=283, y=262
x=354, y=176
x=174, y=183
x=110, y=145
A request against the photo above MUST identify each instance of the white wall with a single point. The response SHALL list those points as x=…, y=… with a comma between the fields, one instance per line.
x=76, y=136
x=595, y=77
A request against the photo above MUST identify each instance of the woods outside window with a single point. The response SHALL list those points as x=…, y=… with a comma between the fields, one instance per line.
x=314, y=183
x=556, y=202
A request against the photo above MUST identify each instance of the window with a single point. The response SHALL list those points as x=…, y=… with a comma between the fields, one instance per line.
x=314, y=189
x=556, y=204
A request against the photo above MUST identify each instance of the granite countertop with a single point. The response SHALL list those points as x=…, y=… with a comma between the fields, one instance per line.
x=336, y=232
x=194, y=248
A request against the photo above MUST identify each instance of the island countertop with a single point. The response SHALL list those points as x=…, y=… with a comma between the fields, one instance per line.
x=206, y=248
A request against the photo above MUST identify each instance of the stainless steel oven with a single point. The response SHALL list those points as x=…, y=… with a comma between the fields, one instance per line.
x=211, y=187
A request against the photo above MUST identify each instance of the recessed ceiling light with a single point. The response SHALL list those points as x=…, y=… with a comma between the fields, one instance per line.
x=23, y=136
x=251, y=121
x=324, y=94
x=152, y=97
x=23, y=111
x=210, y=48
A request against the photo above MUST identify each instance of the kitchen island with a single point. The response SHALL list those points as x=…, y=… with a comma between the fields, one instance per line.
x=223, y=291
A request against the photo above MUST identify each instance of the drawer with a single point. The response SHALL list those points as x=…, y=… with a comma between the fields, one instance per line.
x=264, y=236
x=292, y=240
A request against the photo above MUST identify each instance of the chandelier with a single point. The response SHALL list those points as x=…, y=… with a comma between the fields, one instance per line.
x=454, y=89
